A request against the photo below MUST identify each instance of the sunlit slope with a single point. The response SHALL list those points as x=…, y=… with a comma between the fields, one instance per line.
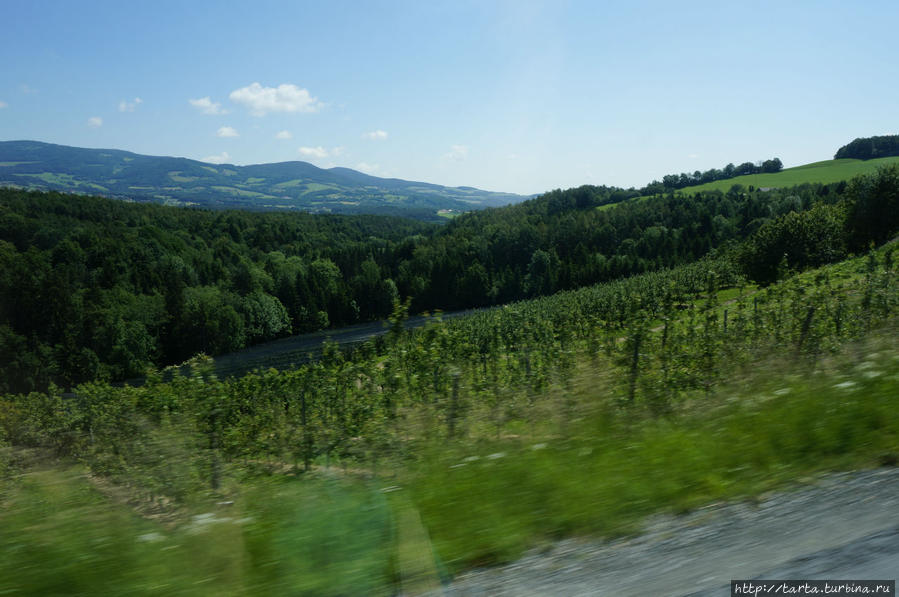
x=822, y=172
x=293, y=185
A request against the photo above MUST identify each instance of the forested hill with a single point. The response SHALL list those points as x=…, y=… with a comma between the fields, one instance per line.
x=180, y=181
x=568, y=239
x=93, y=287
x=98, y=288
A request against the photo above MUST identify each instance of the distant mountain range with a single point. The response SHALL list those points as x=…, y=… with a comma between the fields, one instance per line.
x=181, y=181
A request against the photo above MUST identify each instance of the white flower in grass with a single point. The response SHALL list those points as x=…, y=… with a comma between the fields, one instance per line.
x=150, y=537
x=203, y=519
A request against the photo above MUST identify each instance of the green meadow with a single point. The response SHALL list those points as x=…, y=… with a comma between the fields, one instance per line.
x=824, y=172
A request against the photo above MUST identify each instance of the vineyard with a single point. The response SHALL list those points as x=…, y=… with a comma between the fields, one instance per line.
x=493, y=428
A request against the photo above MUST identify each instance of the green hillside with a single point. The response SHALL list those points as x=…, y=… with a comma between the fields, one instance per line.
x=459, y=445
x=824, y=172
x=285, y=186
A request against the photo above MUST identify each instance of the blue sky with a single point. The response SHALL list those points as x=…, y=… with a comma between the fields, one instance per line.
x=509, y=96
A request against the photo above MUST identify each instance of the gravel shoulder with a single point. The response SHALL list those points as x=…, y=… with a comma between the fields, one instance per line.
x=838, y=526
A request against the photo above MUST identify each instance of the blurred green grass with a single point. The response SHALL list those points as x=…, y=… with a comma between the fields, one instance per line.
x=486, y=505
x=60, y=536
x=459, y=504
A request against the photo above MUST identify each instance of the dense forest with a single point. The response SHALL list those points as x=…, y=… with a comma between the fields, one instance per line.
x=867, y=148
x=95, y=288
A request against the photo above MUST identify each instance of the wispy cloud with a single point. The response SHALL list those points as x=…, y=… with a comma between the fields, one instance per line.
x=27, y=89
x=126, y=106
x=3, y=105
x=375, y=135
x=227, y=131
x=217, y=159
x=457, y=153
x=95, y=122
x=283, y=98
x=284, y=135
x=314, y=152
x=367, y=168
x=207, y=106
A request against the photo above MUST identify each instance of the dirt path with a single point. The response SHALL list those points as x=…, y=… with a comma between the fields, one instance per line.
x=841, y=526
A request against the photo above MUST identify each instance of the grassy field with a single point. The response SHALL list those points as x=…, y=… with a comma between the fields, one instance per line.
x=824, y=172
x=65, y=534
x=242, y=193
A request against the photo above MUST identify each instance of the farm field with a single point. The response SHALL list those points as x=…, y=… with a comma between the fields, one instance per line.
x=411, y=449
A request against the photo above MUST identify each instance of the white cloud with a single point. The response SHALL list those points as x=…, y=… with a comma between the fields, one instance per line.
x=284, y=135
x=457, y=153
x=693, y=156
x=367, y=168
x=227, y=131
x=314, y=152
x=95, y=122
x=207, y=106
x=217, y=159
x=376, y=135
x=130, y=106
x=283, y=98
x=336, y=151
x=27, y=89
x=3, y=105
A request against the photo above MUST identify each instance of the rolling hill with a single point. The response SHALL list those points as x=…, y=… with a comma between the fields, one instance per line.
x=824, y=172
x=181, y=181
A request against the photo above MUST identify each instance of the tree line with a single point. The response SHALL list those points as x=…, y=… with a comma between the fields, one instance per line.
x=686, y=179
x=867, y=148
